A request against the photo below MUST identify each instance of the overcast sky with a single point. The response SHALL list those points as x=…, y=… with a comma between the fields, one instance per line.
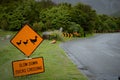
x=101, y=6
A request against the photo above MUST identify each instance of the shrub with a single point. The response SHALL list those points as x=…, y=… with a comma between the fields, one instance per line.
x=57, y=35
x=36, y=26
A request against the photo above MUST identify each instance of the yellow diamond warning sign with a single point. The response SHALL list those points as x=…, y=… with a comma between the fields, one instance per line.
x=26, y=40
x=27, y=67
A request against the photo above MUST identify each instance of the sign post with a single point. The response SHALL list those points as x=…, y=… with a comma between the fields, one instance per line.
x=27, y=40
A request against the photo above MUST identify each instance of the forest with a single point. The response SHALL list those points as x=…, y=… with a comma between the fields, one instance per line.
x=45, y=15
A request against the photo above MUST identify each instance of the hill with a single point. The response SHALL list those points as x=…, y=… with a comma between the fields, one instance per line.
x=116, y=14
x=101, y=6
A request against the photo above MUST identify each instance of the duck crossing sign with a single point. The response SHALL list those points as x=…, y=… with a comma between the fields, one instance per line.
x=26, y=40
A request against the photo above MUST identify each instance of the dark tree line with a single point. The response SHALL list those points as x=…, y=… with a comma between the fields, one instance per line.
x=45, y=15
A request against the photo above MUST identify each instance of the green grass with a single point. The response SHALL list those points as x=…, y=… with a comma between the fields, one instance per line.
x=57, y=65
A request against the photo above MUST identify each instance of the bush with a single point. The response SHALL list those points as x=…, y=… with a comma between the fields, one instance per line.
x=37, y=26
x=4, y=25
x=75, y=28
x=57, y=35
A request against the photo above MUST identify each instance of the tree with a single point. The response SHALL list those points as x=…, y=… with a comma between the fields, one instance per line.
x=16, y=19
x=98, y=25
x=46, y=3
x=56, y=17
x=111, y=23
x=117, y=20
x=84, y=15
x=73, y=27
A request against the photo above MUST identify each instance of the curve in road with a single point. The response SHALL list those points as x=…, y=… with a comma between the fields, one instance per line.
x=97, y=57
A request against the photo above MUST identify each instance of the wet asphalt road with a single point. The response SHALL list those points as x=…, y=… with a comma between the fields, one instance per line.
x=97, y=57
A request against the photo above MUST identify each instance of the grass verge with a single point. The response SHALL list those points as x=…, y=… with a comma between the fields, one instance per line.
x=57, y=64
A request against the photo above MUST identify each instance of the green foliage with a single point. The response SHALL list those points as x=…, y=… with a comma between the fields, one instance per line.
x=117, y=20
x=112, y=25
x=45, y=15
x=56, y=17
x=45, y=3
x=75, y=28
x=84, y=15
x=37, y=26
x=107, y=24
x=15, y=20
x=15, y=13
x=4, y=24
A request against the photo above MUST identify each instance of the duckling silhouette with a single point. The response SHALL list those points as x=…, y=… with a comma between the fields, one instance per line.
x=25, y=42
x=34, y=40
x=18, y=43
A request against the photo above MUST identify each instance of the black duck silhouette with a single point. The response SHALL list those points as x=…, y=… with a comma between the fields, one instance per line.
x=34, y=40
x=25, y=42
x=18, y=43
